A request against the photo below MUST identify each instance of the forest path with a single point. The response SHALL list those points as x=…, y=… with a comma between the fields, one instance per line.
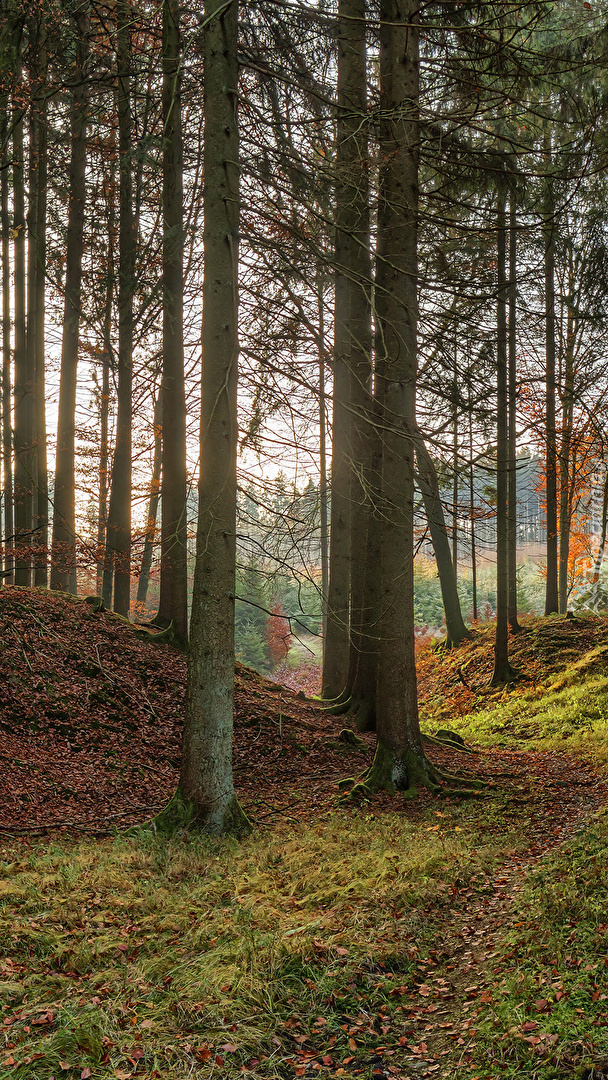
x=558, y=796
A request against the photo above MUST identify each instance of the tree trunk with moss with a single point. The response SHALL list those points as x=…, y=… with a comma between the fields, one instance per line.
x=595, y=592
x=206, y=798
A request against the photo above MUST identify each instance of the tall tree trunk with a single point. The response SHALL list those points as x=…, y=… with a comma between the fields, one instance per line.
x=352, y=101
x=352, y=362
x=399, y=762
x=24, y=377
x=551, y=594
x=336, y=644
x=173, y=605
x=364, y=689
x=595, y=592
x=205, y=796
x=429, y=487
x=566, y=465
x=146, y=559
x=104, y=450
x=323, y=490
x=7, y=425
x=63, y=568
x=109, y=364
x=36, y=294
x=512, y=433
x=455, y=495
x=502, y=669
x=472, y=506
x=41, y=517
x=119, y=518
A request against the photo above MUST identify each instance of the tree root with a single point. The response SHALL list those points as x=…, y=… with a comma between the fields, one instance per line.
x=184, y=815
x=156, y=637
x=448, y=744
x=406, y=774
x=329, y=701
x=338, y=709
x=441, y=776
x=364, y=715
x=448, y=643
x=506, y=676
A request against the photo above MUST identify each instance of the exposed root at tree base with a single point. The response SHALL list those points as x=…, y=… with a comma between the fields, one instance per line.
x=440, y=776
x=448, y=744
x=406, y=774
x=184, y=814
x=363, y=715
x=338, y=708
x=447, y=643
x=505, y=676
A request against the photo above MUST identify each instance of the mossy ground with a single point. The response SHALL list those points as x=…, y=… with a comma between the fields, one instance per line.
x=145, y=957
x=322, y=946
x=548, y=1017
x=566, y=710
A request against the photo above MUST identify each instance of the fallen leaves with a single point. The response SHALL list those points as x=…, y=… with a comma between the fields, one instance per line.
x=92, y=725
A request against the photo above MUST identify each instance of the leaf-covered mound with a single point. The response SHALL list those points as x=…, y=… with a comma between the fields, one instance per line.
x=91, y=721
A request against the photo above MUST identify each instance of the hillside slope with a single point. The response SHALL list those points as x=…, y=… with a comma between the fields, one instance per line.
x=91, y=721
x=91, y=718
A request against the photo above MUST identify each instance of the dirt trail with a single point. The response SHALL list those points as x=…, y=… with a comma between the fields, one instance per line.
x=462, y=985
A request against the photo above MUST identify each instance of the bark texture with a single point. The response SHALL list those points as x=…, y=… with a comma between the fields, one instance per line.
x=397, y=725
x=206, y=787
x=173, y=604
x=456, y=630
x=63, y=568
x=7, y=440
x=119, y=517
x=502, y=669
x=24, y=376
x=551, y=594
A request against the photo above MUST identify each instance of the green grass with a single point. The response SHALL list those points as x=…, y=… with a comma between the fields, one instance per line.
x=295, y=952
x=145, y=958
x=568, y=711
x=549, y=1016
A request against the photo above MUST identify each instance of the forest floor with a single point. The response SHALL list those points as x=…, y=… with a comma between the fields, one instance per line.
x=436, y=937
